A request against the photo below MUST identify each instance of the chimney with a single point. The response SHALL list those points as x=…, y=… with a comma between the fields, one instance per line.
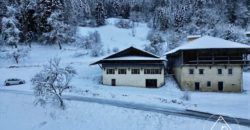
x=248, y=34
x=192, y=37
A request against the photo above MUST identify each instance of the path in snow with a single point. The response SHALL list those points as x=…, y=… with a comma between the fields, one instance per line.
x=145, y=107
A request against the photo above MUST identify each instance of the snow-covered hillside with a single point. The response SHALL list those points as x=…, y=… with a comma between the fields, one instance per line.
x=20, y=109
x=113, y=37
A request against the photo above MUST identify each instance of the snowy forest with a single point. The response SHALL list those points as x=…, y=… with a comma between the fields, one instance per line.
x=55, y=21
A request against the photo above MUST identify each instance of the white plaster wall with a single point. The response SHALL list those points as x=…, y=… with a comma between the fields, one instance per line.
x=137, y=80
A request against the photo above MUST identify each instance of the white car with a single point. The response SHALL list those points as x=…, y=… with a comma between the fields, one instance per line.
x=9, y=82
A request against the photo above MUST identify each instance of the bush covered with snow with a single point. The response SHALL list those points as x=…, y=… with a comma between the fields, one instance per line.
x=186, y=95
x=91, y=42
x=124, y=23
x=18, y=54
x=156, y=45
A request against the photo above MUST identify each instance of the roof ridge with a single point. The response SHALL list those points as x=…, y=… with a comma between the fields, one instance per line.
x=209, y=42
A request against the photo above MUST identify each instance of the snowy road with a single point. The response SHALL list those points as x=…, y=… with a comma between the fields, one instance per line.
x=145, y=107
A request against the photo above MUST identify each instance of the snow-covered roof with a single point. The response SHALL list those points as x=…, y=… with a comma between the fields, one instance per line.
x=248, y=32
x=193, y=36
x=134, y=58
x=208, y=42
x=131, y=54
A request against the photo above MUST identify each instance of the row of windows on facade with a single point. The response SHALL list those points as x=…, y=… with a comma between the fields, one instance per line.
x=209, y=84
x=219, y=71
x=134, y=71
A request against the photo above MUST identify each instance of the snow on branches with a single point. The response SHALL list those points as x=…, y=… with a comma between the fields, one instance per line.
x=52, y=82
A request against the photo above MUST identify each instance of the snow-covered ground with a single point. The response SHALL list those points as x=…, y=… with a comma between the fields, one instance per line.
x=17, y=112
x=94, y=116
x=113, y=37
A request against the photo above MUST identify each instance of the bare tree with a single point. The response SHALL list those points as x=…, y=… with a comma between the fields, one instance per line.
x=18, y=53
x=51, y=82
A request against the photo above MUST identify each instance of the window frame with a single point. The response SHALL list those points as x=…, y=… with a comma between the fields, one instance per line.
x=152, y=71
x=219, y=71
x=201, y=71
x=120, y=71
x=110, y=70
x=209, y=84
x=191, y=70
x=135, y=71
x=230, y=71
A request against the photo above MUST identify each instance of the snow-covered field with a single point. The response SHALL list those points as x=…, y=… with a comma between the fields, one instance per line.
x=17, y=112
x=17, y=109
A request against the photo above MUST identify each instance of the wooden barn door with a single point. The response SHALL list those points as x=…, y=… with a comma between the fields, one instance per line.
x=113, y=82
x=220, y=86
x=151, y=83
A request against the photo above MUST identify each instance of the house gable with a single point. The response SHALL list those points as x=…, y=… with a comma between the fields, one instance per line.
x=131, y=55
x=132, y=51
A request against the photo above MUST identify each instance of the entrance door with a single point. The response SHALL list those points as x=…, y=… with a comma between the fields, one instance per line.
x=197, y=86
x=113, y=82
x=151, y=83
x=220, y=86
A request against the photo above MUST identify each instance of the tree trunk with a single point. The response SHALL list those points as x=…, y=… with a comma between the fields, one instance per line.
x=60, y=46
x=61, y=103
x=29, y=44
x=15, y=45
x=16, y=59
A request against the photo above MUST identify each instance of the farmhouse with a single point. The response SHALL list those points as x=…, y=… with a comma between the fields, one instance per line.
x=209, y=64
x=133, y=67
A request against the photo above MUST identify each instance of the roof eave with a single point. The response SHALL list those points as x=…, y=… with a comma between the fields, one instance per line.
x=248, y=49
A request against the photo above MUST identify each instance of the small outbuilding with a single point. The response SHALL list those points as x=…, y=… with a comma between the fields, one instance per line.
x=132, y=67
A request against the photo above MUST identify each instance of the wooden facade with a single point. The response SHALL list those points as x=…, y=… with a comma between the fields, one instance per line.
x=209, y=57
x=214, y=68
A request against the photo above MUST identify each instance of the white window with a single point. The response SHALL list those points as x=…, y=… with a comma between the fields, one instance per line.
x=146, y=71
x=152, y=71
x=135, y=71
x=122, y=71
x=110, y=71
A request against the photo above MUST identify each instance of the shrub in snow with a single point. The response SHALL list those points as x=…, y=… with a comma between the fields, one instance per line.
x=96, y=51
x=174, y=39
x=186, y=95
x=91, y=42
x=80, y=54
x=115, y=49
x=156, y=45
x=108, y=50
x=52, y=82
x=229, y=32
x=124, y=24
x=98, y=79
x=95, y=44
x=18, y=53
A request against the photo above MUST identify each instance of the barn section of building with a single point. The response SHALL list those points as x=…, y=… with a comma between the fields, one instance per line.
x=209, y=64
x=133, y=67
